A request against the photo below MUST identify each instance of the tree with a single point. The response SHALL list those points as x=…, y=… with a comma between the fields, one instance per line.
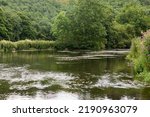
x=87, y=24
x=134, y=14
x=27, y=30
x=13, y=25
x=128, y=24
x=3, y=29
x=83, y=25
x=60, y=26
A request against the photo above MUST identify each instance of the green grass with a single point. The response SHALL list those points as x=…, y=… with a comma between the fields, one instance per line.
x=140, y=56
x=145, y=76
x=8, y=46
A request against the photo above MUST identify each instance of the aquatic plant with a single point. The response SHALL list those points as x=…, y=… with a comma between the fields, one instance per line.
x=7, y=45
x=25, y=45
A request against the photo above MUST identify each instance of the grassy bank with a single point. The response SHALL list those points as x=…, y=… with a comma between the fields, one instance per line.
x=140, y=56
x=9, y=46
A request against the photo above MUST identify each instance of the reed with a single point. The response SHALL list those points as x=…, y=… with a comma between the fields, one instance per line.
x=7, y=46
x=41, y=44
x=25, y=45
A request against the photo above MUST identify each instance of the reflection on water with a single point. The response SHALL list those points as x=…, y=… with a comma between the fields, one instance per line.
x=68, y=76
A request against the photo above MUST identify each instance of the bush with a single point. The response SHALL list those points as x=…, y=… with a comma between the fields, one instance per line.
x=145, y=76
x=140, y=64
x=135, y=49
x=140, y=56
x=147, y=51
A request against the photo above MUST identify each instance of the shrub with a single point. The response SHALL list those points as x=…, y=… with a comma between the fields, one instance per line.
x=140, y=56
x=135, y=49
x=145, y=76
x=140, y=64
x=147, y=51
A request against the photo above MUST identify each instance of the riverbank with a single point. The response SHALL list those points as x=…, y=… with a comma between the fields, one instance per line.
x=35, y=45
x=140, y=56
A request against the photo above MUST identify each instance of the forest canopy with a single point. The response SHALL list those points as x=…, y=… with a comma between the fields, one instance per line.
x=75, y=24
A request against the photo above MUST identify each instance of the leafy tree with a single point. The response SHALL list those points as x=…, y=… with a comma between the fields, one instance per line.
x=135, y=15
x=83, y=25
x=37, y=13
x=87, y=24
x=129, y=23
x=60, y=26
x=27, y=30
x=75, y=24
x=3, y=29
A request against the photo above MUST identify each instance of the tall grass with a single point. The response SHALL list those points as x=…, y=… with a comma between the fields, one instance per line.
x=135, y=49
x=147, y=52
x=140, y=56
x=40, y=44
x=25, y=45
x=7, y=46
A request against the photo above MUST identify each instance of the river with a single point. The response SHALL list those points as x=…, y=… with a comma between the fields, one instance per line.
x=102, y=75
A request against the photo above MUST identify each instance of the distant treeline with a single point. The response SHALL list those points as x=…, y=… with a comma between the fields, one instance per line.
x=75, y=24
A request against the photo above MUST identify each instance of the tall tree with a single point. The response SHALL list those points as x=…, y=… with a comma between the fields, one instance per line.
x=3, y=29
x=85, y=25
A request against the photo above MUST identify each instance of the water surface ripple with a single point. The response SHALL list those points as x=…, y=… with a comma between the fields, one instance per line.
x=69, y=76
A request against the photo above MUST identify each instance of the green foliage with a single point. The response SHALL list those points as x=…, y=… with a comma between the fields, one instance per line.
x=128, y=23
x=3, y=29
x=140, y=56
x=83, y=25
x=121, y=36
x=15, y=26
x=7, y=46
x=28, y=18
x=75, y=24
x=41, y=44
x=25, y=45
x=145, y=2
x=135, y=50
x=147, y=52
x=60, y=26
x=145, y=76
x=134, y=14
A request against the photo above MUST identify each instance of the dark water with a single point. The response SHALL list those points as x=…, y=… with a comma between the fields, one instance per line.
x=69, y=76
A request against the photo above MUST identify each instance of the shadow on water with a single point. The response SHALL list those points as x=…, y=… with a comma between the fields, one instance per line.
x=68, y=75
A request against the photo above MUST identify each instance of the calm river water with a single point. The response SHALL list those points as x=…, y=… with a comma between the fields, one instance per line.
x=69, y=76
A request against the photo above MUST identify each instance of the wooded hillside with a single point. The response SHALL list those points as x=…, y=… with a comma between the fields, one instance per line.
x=118, y=22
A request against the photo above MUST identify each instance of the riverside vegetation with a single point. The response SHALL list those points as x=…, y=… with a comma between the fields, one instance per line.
x=140, y=56
x=9, y=46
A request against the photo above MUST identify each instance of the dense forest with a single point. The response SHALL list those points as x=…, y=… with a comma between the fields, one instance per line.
x=75, y=24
